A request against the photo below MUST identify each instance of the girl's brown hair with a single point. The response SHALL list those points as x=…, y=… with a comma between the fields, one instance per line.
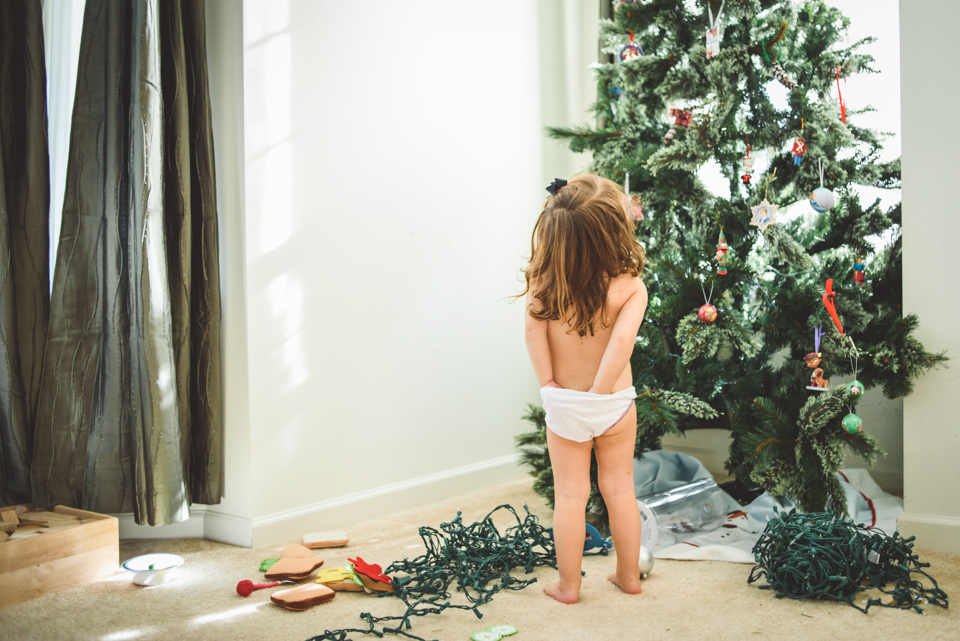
x=582, y=239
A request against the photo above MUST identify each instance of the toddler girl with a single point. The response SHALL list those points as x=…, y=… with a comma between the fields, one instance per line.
x=585, y=302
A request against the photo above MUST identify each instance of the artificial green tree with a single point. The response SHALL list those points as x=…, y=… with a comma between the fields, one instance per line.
x=745, y=371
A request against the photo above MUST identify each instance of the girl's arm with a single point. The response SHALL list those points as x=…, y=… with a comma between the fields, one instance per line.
x=535, y=334
x=622, y=339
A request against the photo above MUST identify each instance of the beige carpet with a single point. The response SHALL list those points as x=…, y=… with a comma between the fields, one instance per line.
x=681, y=599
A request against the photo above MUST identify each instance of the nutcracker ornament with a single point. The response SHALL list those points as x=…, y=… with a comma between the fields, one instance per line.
x=682, y=118
x=859, y=278
x=799, y=148
x=714, y=33
x=722, y=249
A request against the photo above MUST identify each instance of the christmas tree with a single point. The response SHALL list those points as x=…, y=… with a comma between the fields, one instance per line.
x=773, y=330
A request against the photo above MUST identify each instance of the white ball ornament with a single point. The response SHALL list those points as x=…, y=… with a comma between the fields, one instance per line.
x=646, y=561
x=822, y=199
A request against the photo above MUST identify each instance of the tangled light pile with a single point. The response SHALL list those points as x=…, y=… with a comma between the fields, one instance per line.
x=477, y=557
x=817, y=555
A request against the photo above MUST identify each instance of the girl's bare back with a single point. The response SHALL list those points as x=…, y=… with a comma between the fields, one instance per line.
x=576, y=359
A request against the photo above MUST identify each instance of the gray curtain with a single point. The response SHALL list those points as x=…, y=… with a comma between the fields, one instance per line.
x=24, y=242
x=130, y=410
x=192, y=245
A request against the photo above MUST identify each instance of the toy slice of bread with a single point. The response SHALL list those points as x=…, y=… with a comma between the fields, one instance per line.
x=302, y=597
x=334, y=539
x=295, y=550
x=293, y=568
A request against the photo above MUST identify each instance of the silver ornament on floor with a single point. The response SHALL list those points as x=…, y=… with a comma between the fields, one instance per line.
x=646, y=562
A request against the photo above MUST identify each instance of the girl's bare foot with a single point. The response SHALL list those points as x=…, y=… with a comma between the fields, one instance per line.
x=630, y=585
x=563, y=597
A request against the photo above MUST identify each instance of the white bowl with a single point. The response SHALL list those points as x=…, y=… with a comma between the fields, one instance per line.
x=152, y=569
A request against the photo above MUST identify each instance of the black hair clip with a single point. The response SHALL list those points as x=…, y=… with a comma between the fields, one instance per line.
x=556, y=185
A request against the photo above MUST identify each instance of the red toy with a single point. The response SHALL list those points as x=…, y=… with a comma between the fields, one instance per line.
x=246, y=587
x=375, y=572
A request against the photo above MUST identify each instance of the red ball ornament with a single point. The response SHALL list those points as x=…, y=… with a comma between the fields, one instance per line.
x=707, y=313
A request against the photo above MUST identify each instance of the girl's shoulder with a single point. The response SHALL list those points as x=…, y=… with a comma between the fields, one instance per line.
x=626, y=285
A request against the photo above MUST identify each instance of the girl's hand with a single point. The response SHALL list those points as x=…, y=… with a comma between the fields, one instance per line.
x=552, y=383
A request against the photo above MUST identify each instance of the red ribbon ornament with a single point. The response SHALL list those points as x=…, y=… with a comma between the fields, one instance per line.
x=843, y=105
x=828, y=303
x=375, y=572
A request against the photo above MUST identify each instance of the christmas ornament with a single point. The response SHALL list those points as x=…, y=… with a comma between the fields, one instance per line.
x=781, y=75
x=776, y=68
x=634, y=209
x=843, y=105
x=817, y=382
x=799, y=148
x=682, y=119
x=713, y=33
x=821, y=198
x=855, y=388
x=859, y=278
x=828, y=297
x=630, y=50
x=646, y=562
x=722, y=259
x=746, y=166
x=813, y=361
x=707, y=313
x=615, y=93
x=764, y=214
x=852, y=423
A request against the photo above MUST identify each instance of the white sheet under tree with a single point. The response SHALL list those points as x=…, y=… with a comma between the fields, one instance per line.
x=735, y=538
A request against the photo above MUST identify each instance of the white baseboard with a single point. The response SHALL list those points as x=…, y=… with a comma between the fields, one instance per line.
x=204, y=522
x=933, y=532
x=352, y=508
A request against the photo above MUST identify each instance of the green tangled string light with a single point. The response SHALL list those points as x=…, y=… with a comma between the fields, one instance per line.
x=817, y=555
x=477, y=558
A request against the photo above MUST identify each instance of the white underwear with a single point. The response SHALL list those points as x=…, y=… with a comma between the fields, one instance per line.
x=583, y=416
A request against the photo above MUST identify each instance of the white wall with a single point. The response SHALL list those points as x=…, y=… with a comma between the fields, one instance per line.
x=931, y=430
x=392, y=176
x=568, y=36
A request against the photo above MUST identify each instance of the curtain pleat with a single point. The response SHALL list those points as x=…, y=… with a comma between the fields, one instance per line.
x=107, y=433
x=192, y=245
x=24, y=241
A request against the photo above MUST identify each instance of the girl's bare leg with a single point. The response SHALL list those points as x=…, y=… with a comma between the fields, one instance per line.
x=571, y=482
x=615, y=451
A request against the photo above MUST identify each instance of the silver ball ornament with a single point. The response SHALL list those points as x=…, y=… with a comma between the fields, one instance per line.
x=646, y=562
x=822, y=199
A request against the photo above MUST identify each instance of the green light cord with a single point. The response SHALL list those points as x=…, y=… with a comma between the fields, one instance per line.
x=817, y=555
x=476, y=557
